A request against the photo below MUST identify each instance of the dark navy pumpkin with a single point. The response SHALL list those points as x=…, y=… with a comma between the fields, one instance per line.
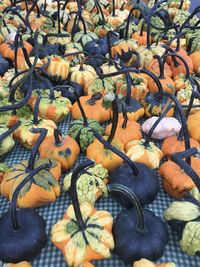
x=145, y=185
x=4, y=65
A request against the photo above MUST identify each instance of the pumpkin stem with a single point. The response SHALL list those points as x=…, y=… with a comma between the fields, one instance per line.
x=30, y=11
x=113, y=6
x=43, y=133
x=195, y=94
x=13, y=205
x=108, y=36
x=182, y=117
x=148, y=137
x=85, y=121
x=116, y=151
x=181, y=4
x=148, y=35
x=137, y=63
x=178, y=159
x=73, y=192
x=174, y=55
x=161, y=67
x=99, y=8
x=125, y=117
x=36, y=108
x=9, y=131
x=16, y=46
x=115, y=120
x=57, y=135
x=118, y=188
x=58, y=16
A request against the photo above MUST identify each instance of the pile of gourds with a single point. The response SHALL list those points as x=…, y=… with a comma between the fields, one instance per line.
x=127, y=73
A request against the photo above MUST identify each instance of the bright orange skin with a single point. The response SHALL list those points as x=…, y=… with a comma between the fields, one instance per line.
x=124, y=135
x=20, y=264
x=175, y=181
x=7, y=52
x=96, y=111
x=172, y=145
x=48, y=149
x=193, y=126
x=166, y=85
x=36, y=196
x=154, y=67
x=195, y=59
x=109, y=160
x=142, y=39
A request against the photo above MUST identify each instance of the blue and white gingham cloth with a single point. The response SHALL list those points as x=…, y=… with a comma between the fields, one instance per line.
x=52, y=257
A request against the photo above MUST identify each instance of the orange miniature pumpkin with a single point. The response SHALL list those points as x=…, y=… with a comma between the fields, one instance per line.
x=166, y=82
x=147, y=263
x=195, y=59
x=93, y=108
x=20, y=264
x=193, y=126
x=176, y=172
x=63, y=149
x=42, y=189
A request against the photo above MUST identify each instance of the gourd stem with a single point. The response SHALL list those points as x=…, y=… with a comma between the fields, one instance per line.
x=148, y=137
x=148, y=36
x=177, y=158
x=115, y=121
x=196, y=90
x=161, y=67
x=9, y=131
x=36, y=108
x=73, y=27
x=181, y=4
x=43, y=133
x=128, y=21
x=116, y=151
x=182, y=117
x=173, y=55
x=118, y=188
x=57, y=135
x=98, y=6
x=73, y=190
x=113, y=6
x=58, y=17
x=13, y=205
x=108, y=36
x=125, y=117
x=16, y=46
x=137, y=63
x=85, y=121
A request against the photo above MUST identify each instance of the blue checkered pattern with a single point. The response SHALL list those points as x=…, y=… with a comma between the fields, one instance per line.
x=52, y=257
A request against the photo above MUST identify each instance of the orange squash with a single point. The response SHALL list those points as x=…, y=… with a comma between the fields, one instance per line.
x=195, y=59
x=7, y=50
x=93, y=108
x=63, y=149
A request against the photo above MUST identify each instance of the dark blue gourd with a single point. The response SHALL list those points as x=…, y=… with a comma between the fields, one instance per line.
x=22, y=231
x=4, y=65
x=137, y=233
x=138, y=177
x=70, y=95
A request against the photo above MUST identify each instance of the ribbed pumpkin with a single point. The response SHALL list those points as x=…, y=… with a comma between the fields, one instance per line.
x=42, y=189
x=84, y=234
x=58, y=68
x=63, y=149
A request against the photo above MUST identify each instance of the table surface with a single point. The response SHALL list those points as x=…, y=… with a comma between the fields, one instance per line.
x=52, y=257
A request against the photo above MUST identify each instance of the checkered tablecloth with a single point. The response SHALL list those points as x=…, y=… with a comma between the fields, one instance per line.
x=52, y=257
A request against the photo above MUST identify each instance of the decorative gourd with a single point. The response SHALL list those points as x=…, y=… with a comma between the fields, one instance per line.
x=192, y=123
x=144, y=152
x=176, y=173
x=147, y=263
x=167, y=127
x=91, y=184
x=3, y=168
x=84, y=234
x=194, y=56
x=82, y=74
x=181, y=142
x=136, y=176
x=42, y=189
x=99, y=85
x=27, y=138
x=138, y=233
x=61, y=148
x=58, y=68
x=4, y=66
x=98, y=152
x=184, y=218
x=22, y=230
x=53, y=106
x=93, y=108
x=6, y=140
x=166, y=82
